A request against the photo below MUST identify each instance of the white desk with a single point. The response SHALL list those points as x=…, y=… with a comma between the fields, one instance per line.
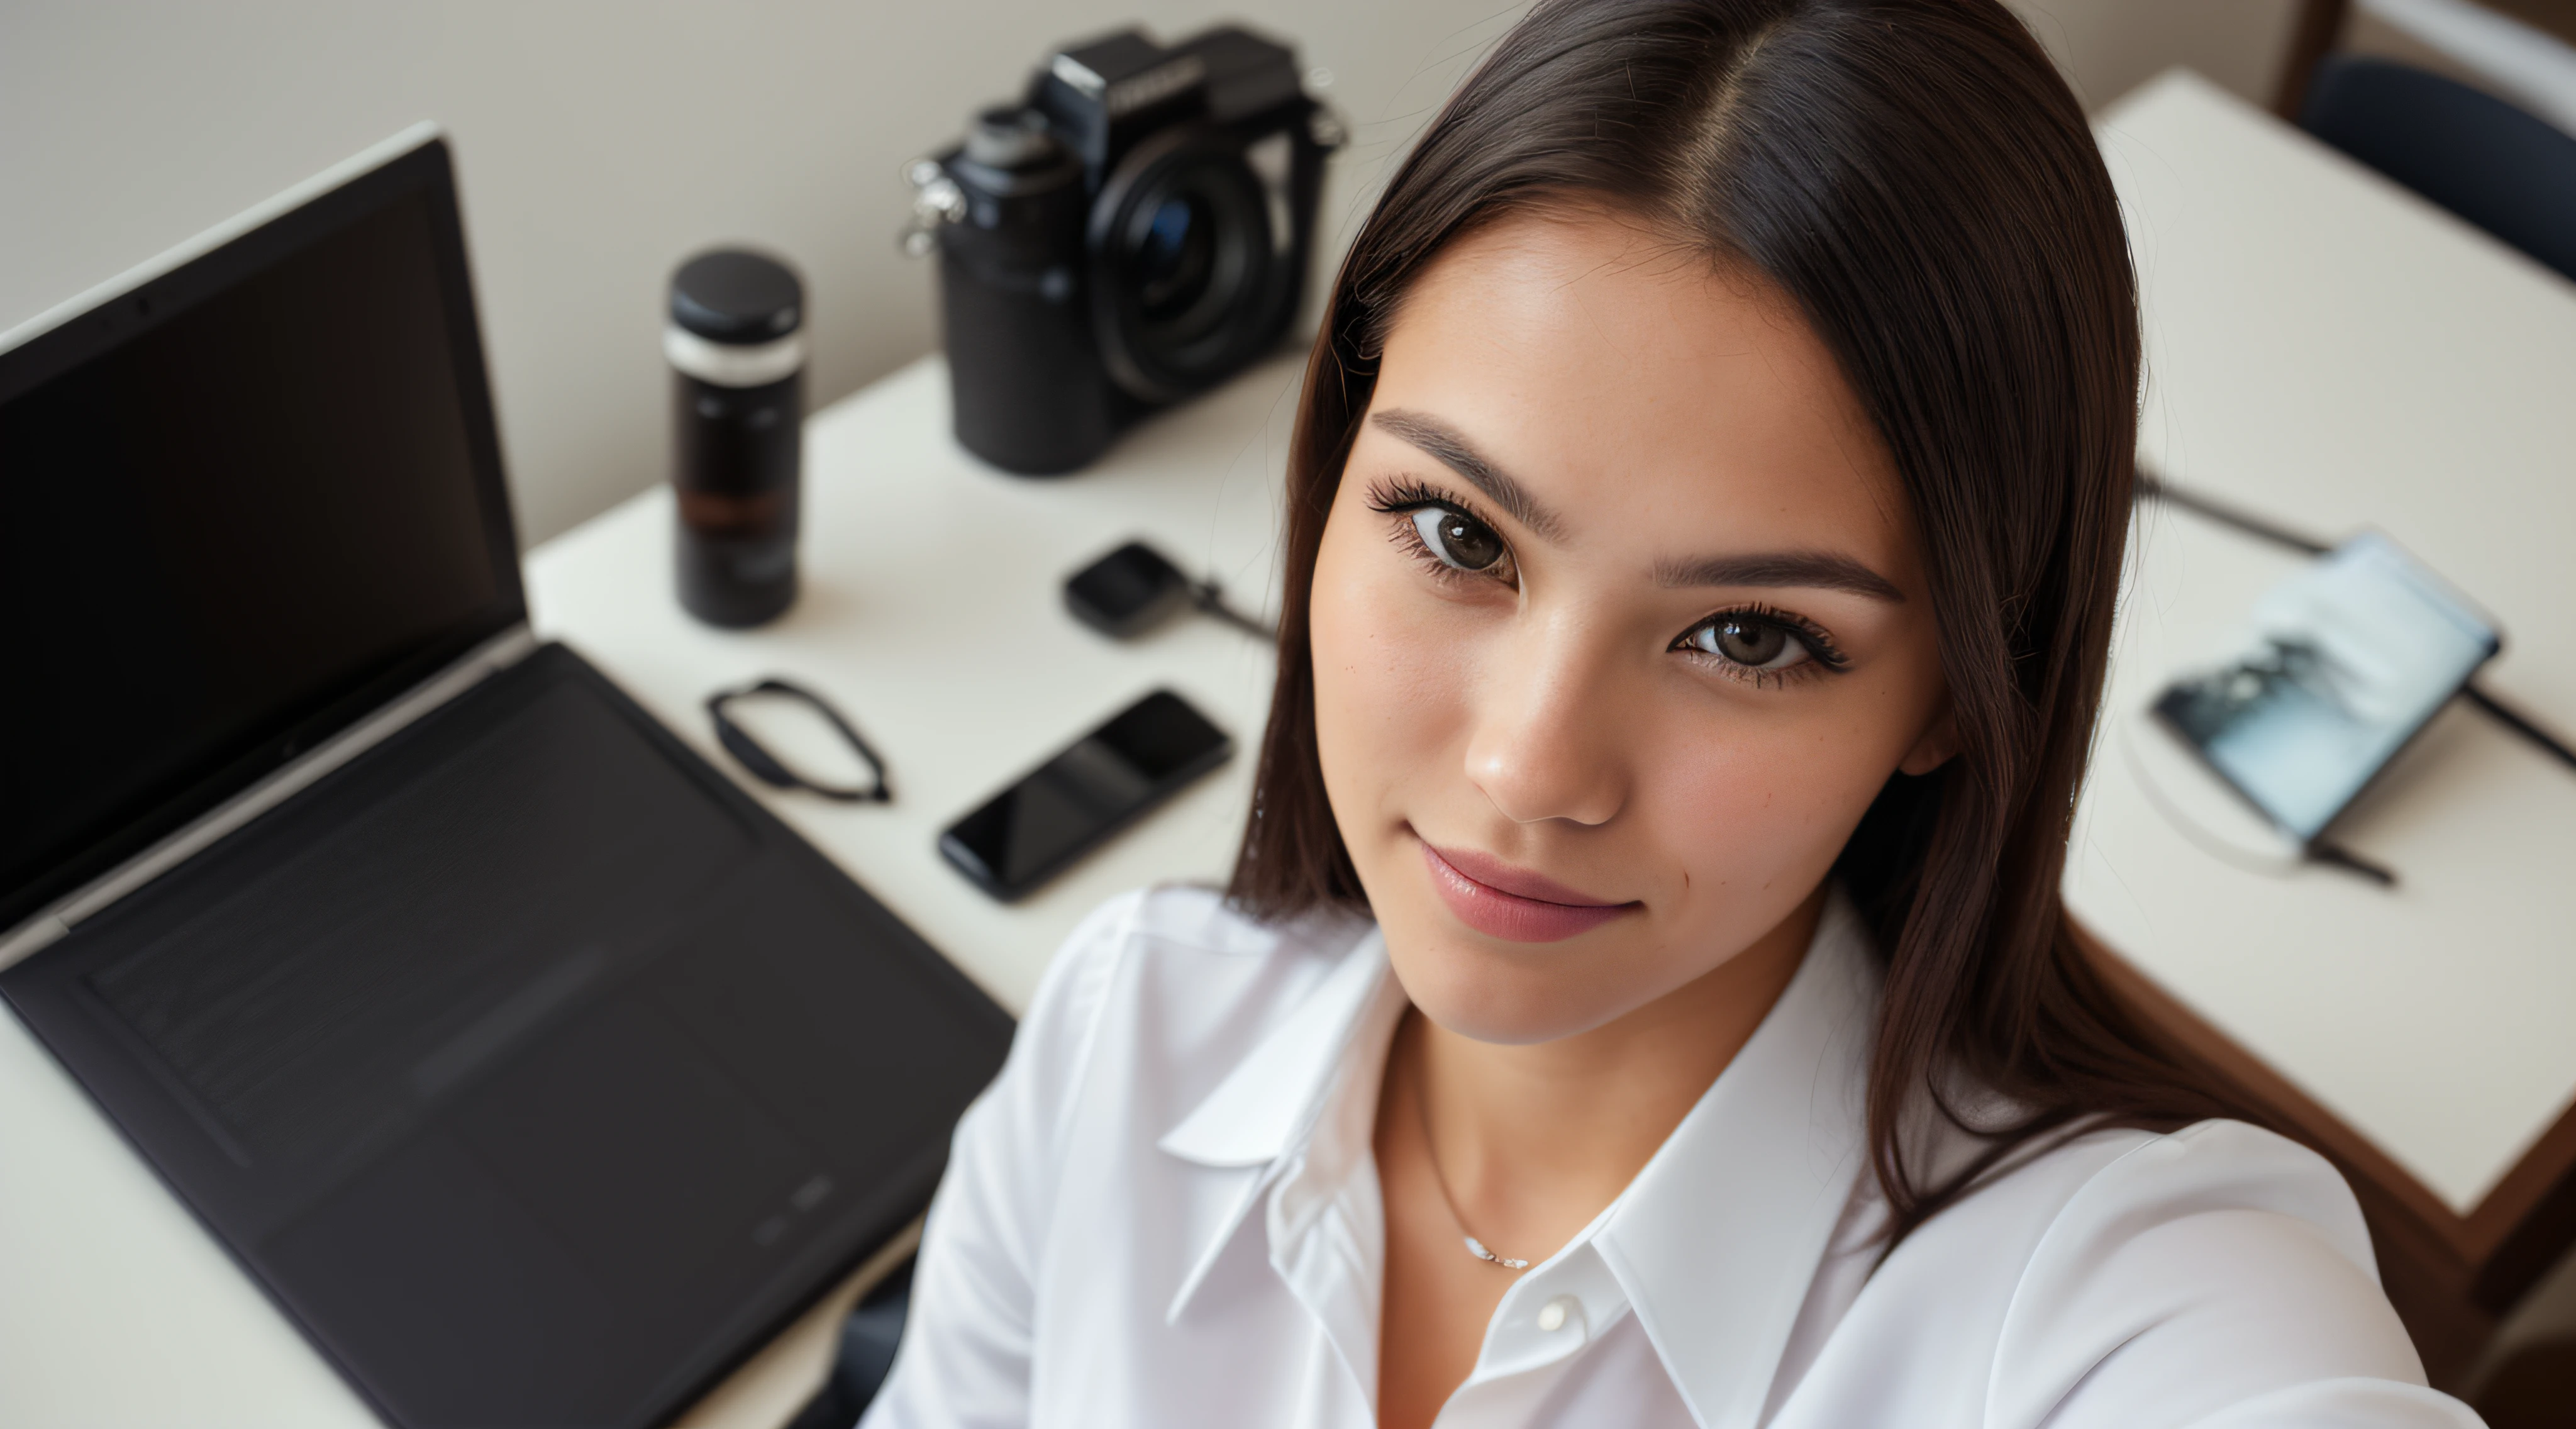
x=931, y=617
x=2326, y=349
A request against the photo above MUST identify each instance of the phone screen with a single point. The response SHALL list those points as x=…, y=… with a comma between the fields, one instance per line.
x=2344, y=662
x=1097, y=786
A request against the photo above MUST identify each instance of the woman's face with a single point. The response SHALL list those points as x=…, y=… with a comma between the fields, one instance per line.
x=1618, y=622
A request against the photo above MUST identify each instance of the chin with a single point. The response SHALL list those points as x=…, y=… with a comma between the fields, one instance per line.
x=1510, y=996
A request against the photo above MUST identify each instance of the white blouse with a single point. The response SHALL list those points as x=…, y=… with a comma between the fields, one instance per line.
x=1165, y=1212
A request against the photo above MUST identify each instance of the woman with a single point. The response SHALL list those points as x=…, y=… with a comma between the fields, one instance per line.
x=1644, y=997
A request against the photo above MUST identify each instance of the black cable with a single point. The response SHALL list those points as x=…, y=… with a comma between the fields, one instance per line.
x=2514, y=719
x=2335, y=855
x=2263, y=528
x=1210, y=599
x=2228, y=514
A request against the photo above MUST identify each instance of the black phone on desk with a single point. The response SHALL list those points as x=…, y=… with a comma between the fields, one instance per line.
x=1099, y=784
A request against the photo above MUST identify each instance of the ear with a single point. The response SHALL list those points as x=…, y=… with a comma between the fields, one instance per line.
x=1939, y=744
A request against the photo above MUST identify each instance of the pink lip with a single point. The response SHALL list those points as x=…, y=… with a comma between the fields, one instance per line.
x=1510, y=903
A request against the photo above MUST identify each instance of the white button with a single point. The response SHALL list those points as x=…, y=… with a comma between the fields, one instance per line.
x=1552, y=1317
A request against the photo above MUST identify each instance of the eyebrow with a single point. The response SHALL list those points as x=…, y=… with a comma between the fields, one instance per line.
x=1444, y=444
x=1814, y=570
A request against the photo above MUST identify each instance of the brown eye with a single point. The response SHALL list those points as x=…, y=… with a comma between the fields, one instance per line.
x=1458, y=540
x=1750, y=641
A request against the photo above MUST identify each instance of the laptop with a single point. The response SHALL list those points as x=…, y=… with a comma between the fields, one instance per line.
x=536, y=1072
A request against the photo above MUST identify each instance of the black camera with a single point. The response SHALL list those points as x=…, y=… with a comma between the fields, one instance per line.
x=1136, y=231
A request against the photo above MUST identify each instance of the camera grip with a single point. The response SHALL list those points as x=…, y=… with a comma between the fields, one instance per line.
x=1031, y=394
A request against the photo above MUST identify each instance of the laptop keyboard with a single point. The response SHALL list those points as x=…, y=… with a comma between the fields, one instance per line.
x=316, y=1010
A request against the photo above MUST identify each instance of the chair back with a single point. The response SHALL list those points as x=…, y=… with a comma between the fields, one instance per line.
x=2494, y=165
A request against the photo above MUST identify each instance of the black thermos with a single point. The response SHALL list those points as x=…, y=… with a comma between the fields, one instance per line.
x=736, y=343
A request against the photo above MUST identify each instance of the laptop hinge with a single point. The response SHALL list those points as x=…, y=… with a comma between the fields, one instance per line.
x=58, y=918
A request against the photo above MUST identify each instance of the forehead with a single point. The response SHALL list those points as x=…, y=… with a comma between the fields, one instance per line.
x=1616, y=373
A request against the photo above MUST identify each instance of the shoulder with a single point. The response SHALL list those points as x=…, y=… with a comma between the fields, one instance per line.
x=1170, y=986
x=2216, y=1264
x=2123, y=1278
x=2112, y=1180
x=2218, y=1209
x=2126, y=1183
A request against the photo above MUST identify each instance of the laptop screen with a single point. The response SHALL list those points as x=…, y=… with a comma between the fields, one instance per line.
x=241, y=505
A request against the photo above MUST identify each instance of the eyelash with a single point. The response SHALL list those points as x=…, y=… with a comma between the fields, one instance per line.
x=1823, y=658
x=1404, y=496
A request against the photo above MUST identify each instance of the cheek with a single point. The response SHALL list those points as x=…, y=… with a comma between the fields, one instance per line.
x=1764, y=807
x=1388, y=679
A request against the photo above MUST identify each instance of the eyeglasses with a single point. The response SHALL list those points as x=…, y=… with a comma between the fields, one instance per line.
x=769, y=769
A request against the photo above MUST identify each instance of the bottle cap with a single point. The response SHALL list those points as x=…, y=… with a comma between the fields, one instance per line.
x=738, y=297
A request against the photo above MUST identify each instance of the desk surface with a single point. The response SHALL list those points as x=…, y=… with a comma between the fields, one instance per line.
x=2326, y=349
x=2319, y=344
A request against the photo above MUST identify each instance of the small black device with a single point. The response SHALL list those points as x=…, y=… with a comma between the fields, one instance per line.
x=1071, y=804
x=533, y=1068
x=736, y=344
x=1127, y=592
x=1134, y=231
x=1136, y=588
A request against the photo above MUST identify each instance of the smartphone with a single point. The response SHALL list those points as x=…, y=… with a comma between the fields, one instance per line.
x=1071, y=804
x=2340, y=667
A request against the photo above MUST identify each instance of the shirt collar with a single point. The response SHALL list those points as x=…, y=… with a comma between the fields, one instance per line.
x=1270, y=1100
x=1717, y=1240
x=1325, y=1057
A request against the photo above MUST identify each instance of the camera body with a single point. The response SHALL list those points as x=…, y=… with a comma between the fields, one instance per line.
x=1135, y=231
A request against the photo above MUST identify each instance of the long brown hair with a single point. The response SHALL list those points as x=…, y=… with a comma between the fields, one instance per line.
x=1918, y=179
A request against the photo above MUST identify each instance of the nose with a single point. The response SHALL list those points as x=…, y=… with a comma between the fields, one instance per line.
x=1549, y=740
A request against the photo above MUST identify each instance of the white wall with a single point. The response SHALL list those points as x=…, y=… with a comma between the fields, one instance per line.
x=2109, y=47
x=601, y=141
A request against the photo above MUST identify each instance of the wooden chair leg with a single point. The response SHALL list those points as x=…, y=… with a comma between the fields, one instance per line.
x=2320, y=24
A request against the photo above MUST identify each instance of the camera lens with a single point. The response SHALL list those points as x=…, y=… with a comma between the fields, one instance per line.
x=1179, y=253
x=1192, y=247
x=1188, y=282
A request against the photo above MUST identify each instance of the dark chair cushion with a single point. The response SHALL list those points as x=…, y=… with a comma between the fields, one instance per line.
x=2492, y=164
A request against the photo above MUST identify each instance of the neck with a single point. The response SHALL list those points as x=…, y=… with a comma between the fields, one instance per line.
x=1535, y=1140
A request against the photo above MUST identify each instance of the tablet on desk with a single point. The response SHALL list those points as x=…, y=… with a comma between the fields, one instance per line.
x=2341, y=665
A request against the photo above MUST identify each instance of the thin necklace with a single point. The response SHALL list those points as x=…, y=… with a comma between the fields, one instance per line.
x=1422, y=1114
